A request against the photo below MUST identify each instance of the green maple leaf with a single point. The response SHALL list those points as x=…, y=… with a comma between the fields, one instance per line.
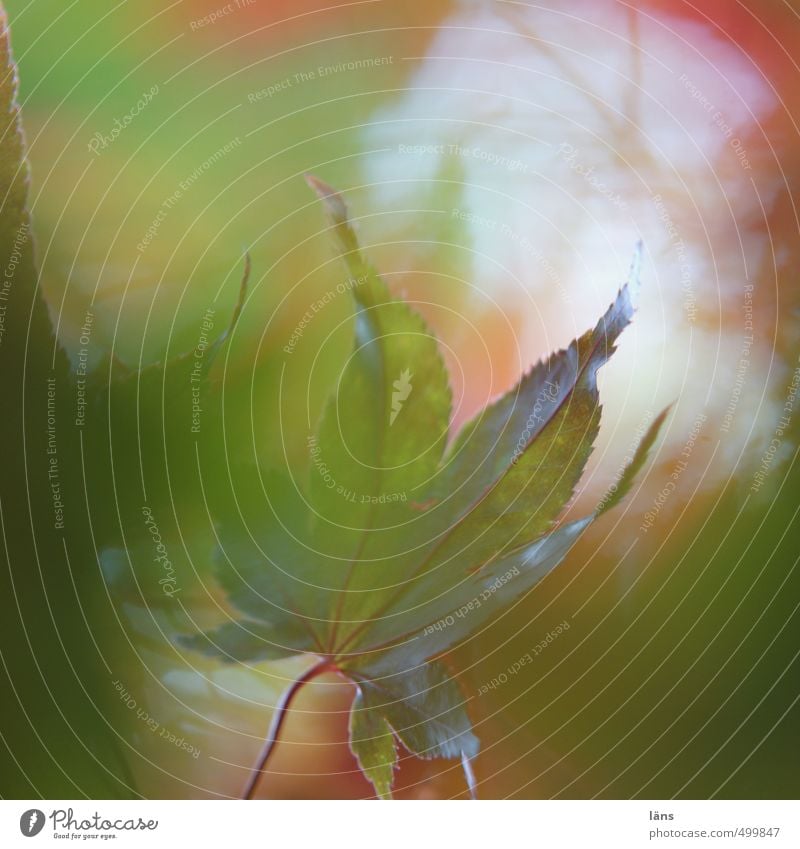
x=398, y=547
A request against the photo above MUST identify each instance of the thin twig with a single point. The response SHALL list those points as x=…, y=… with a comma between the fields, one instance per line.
x=278, y=719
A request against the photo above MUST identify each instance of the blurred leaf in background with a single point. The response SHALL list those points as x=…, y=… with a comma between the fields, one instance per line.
x=59, y=735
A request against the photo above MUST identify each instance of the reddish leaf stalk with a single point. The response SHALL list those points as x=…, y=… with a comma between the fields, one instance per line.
x=281, y=712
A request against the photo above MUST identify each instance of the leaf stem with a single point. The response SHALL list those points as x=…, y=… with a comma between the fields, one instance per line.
x=278, y=719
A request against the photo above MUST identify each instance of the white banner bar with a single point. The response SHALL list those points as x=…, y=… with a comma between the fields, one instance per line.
x=403, y=825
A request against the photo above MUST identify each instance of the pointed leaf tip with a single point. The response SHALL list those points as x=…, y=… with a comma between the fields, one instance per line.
x=623, y=485
x=333, y=200
x=237, y=310
x=634, y=282
x=339, y=217
x=469, y=775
